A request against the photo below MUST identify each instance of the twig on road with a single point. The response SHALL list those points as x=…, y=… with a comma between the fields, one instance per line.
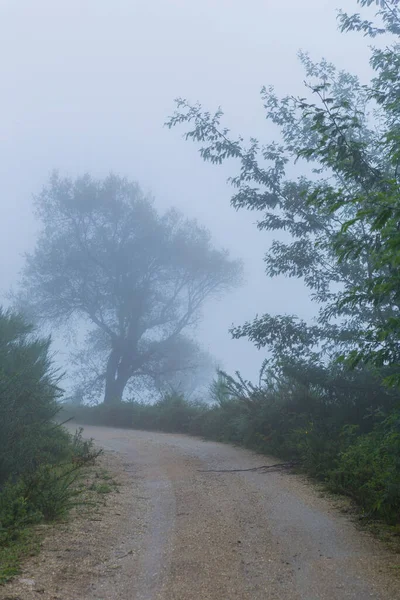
x=277, y=466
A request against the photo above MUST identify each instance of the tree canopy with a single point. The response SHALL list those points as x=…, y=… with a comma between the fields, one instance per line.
x=341, y=215
x=137, y=280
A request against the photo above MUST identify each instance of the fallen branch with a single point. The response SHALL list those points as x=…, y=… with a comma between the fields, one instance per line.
x=277, y=466
x=124, y=555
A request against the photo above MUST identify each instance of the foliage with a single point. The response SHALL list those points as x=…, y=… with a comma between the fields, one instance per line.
x=135, y=279
x=342, y=219
x=26, y=544
x=28, y=401
x=171, y=413
x=337, y=228
x=311, y=233
x=369, y=470
x=39, y=460
x=339, y=425
x=377, y=206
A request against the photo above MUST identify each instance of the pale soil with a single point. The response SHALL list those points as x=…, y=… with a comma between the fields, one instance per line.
x=176, y=533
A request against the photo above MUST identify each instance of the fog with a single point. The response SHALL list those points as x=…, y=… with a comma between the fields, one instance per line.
x=87, y=86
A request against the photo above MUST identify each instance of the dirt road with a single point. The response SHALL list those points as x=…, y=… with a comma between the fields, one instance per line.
x=185, y=534
x=228, y=536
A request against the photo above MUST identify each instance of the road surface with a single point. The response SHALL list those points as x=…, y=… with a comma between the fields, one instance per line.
x=233, y=536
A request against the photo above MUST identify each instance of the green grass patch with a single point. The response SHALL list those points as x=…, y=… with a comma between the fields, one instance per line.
x=101, y=488
x=27, y=543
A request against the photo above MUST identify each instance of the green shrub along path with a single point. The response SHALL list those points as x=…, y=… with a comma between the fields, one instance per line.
x=336, y=433
x=40, y=461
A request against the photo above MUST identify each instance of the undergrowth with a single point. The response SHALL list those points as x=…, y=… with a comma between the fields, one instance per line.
x=43, y=496
x=41, y=463
x=342, y=428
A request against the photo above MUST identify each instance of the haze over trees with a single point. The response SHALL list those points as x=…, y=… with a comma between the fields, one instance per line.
x=134, y=281
x=137, y=280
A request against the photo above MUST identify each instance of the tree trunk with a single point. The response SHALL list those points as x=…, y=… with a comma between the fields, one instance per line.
x=116, y=378
x=114, y=390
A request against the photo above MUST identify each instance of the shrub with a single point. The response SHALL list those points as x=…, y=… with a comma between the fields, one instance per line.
x=49, y=490
x=331, y=421
x=39, y=459
x=16, y=512
x=28, y=401
x=172, y=413
x=369, y=470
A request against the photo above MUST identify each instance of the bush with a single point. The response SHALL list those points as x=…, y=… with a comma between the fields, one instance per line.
x=39, y=459
x=331, y=421
x=172, y=413
x=28, y=401
x=50, y=491
x=16, y=512
x=369, y=470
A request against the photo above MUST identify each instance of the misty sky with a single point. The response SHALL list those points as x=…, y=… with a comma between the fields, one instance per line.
x=86, y=85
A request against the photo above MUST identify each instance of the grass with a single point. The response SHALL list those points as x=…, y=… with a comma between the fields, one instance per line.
x=387, y=534
x=103, y=474
x=104, y=483
x=101, y=488
x=91, y=487
x=27, y=544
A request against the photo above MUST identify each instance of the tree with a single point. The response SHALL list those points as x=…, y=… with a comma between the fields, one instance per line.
x=335, y=135
x=377, y=207
x=187, y=371
x=309, y=251
x=183, y=368
x=135, y=279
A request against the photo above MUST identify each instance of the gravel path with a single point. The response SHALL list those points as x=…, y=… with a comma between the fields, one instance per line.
x=235, y=536
x=176, y=533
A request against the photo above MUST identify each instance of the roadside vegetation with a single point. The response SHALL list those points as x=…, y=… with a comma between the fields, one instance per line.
x=40, y=462
x=340, y=428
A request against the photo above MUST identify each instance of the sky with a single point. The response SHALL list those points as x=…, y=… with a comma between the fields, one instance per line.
x=86, y=86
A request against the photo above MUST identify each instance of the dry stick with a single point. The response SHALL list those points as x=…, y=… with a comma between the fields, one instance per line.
x=124, y=555
x=287, y=465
